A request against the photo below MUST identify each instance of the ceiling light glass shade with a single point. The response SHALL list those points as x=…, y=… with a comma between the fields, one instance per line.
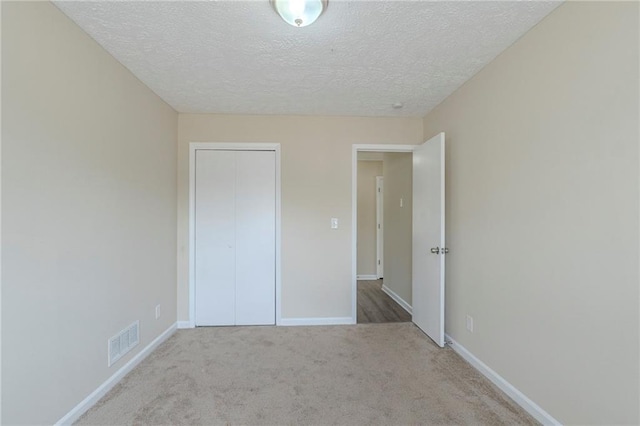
x=299, y=13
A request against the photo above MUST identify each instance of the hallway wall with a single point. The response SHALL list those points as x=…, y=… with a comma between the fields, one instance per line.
x=398, y=179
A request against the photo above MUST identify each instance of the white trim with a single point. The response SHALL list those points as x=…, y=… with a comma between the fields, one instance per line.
x=105, y=387
x=518, y=397
x=354, y=211
x=367, y=277
x=184, y=324
x=392, y=294
x=193, y=147
x=382, y=148
x=316, y=321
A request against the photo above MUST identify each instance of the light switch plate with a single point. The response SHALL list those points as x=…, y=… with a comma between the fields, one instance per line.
x=334, y=223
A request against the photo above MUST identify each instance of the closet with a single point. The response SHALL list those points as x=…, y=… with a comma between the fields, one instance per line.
x=235, y=215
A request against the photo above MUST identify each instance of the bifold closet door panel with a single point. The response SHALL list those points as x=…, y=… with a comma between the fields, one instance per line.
x=215, y=257
x=255, y=237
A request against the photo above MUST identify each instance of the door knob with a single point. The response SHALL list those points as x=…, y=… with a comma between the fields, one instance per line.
x=435, y=250
x=445, y=250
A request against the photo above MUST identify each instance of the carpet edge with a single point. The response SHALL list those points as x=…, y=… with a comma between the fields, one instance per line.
x=512, y=392
x=76, y=412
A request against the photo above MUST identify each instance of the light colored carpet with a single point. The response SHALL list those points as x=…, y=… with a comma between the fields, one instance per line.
x=366, y=374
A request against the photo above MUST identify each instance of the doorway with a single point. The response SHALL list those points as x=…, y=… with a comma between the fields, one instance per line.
x=384, y=237
x=427, y=234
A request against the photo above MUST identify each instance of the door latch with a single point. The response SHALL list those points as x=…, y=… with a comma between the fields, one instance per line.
x=438, y=250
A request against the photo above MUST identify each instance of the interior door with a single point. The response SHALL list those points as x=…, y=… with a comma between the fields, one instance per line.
x=235, y=219
x=379, y=226
x=215, y=273
x=428, y=238
x=255, y=237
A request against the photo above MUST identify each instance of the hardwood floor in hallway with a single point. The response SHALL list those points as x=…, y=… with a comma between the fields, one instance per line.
x=375, y=306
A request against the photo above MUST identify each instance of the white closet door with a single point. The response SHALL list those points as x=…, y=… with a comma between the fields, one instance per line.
x=215, y=273
x=235, y=215
x=255, y=237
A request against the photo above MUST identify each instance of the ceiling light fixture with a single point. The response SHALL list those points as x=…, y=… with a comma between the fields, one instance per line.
x=299, y=13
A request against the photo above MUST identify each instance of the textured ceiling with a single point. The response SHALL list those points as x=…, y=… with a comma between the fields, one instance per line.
x=359, y=58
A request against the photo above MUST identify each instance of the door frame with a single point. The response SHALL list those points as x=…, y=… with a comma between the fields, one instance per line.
x=354, y=211
x=379, y=226
x=224, y=146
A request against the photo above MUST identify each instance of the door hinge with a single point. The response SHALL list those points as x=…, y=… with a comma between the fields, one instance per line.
x=378, y=226
x=378, y=261
x=378, y=189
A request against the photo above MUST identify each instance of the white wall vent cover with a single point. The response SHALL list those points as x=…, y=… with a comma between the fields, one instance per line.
x=123, y=342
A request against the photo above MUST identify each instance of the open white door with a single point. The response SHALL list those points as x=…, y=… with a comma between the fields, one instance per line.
x=428, y=238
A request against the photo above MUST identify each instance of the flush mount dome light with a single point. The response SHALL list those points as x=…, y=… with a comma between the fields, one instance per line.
x=299, y=13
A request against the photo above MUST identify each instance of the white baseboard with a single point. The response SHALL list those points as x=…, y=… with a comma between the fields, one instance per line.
x=184, y=324
x=518, y=397
x=95, y=396
x=366, y=277
x=392, y=294
x=316, y=321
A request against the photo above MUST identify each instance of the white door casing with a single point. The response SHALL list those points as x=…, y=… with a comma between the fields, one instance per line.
x=429, y=237
x=256, y=203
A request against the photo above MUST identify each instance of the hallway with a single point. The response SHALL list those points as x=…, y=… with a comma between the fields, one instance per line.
x=375, y=306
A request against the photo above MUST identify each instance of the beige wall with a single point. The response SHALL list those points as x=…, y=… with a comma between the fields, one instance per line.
x=316, y=186
x=542, y=210
x=398, y=183
x=542, y=213
x=367, y=222
x=88, y=211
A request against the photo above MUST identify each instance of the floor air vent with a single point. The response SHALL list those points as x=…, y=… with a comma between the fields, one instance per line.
x=123, y=342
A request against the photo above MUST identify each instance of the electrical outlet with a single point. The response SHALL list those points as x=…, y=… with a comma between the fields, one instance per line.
x=470, y=323
x=157, y=311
